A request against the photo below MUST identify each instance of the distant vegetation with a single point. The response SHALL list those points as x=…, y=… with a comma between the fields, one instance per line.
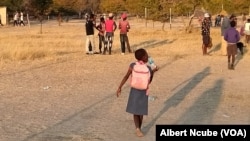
x=156, y=9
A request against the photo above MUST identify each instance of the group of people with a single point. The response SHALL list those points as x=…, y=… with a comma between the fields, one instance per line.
x=18, y=19
x=230, y=36
x=106, y=29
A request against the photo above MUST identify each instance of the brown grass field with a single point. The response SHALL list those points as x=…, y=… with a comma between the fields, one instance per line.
x=50, y=90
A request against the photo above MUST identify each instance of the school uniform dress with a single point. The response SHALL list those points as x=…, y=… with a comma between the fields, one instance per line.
x=205, y=31
x=138, y=100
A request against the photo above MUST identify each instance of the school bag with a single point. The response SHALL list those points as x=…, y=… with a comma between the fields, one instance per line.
x=140, y=76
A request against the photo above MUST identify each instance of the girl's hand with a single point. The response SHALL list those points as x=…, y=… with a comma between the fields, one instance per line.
x=118, y=92
x=156, y=69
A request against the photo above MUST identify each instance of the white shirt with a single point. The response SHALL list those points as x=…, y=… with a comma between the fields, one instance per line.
x=247, y=27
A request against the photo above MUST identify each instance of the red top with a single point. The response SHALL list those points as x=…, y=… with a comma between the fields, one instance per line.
x=124, y=27
x=110, y=25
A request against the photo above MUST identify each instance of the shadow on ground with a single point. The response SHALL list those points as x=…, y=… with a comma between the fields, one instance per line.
x=179, y=96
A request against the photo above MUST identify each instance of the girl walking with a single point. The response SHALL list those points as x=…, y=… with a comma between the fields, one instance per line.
x=138, y=98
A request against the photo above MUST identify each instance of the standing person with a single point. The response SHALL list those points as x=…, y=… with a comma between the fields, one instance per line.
x=110, y=27
x=101, y=29
x=21, y=19
x=90, y=26
x=16, y=19
x=217, y=20
x=1, y=20
x=247, y=31
x=59, y=18
x=138, y=98
x=225, y=24
x=124, y=28
x=232, y=36
x=205, y=32
x=244, y=18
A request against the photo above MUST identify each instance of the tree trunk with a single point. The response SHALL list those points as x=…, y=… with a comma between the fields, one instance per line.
x=189, y=27
x=41, y=27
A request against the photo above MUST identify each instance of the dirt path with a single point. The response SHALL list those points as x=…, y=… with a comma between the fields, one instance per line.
x=74, y=99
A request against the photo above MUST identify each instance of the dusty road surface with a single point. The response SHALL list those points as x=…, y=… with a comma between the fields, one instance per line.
x=73, y=98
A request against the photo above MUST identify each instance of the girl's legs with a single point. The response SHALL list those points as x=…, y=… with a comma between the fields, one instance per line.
x=247, y=38
x=233, y=60
x=110, y=43
x=100, y=44
x=106, y=44
x=141, y=119
x=204, y=49
x=127, y=43
x=87, y=45
x=92, y=41
x=202, y=46
x=103, y=40
x=138, y=122
x=228, y=59
x=122, y=40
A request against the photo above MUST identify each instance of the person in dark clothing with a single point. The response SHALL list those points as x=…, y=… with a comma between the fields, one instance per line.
x=90, y=26
x=232, y=37
x=101, y=28
x=205, y=32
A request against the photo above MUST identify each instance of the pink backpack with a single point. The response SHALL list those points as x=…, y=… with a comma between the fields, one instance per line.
x=140, y=76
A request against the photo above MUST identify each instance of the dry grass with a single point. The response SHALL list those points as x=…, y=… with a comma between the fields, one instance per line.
x=24, y=43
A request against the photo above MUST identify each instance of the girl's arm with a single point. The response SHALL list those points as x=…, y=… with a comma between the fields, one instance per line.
x=125, y=78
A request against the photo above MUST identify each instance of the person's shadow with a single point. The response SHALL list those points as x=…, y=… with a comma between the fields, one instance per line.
x=215, y=48
x=179, y=96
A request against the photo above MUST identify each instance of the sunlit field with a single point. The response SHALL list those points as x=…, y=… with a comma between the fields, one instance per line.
x=55, y=42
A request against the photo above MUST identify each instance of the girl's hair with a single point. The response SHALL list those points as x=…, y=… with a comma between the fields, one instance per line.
x=92, y=16
x=140, y=53
x=233, y=23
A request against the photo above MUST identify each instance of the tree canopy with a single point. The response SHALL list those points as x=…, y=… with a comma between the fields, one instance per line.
x=156, y=8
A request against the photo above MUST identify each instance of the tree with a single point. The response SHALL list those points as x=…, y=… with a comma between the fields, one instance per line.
x=41, y=8
x=135, y=7
x=114, y=6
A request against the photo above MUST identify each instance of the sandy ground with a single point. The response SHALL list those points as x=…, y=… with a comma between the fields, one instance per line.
x=73, y=98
